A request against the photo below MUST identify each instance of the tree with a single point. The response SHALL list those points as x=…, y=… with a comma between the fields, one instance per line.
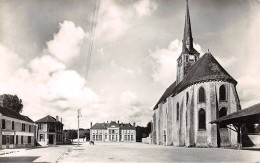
x=12, y=102
x=71, y=134
x=142, y=132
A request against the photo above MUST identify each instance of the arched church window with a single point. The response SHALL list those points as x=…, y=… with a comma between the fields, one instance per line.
x=222, y=93
x=202, y=119
x=222, y=112
x=187, y=97
x=202, y=97
x=178, y=111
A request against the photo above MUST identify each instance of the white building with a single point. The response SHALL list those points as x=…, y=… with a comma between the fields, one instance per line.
x=16, y=130
x=113, y=132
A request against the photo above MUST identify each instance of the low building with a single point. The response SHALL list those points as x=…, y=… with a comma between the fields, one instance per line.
x=16, y=130
x=113, y=132
x=246, y=123
x=50, y=131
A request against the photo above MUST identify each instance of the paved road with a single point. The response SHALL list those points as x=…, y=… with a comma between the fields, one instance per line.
x=137, y=152
x=42, y=155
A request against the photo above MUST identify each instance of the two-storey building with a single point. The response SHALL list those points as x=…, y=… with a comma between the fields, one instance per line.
x=113, y=132
x=50, y=131
x=16, y=130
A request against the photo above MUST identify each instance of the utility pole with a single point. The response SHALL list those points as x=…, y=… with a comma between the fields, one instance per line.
x=78, y=124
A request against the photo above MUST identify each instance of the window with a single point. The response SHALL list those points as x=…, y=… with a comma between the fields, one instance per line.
x=178, y=111
x=16, y=141
x=3, y=123
x=41, y=137
x=3, y=139
x=30, y=128
x=23, y=127
x=222, y=93
x=196, y=59
x=187, y=58
x=21, y=139
x=222, y=112
x=202, y=97
x=93, y=137
x=113, y=131
x=29, y=139
x=12, y=125
x=187, y=98
x=105, y=136
x=125, y=137
x=128, y=137
x=96, y=137
x=132, y=137
x=202, y=119
x=100, y=137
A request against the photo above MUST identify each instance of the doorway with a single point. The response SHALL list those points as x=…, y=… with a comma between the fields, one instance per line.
x=7, y=141
x=50, y=139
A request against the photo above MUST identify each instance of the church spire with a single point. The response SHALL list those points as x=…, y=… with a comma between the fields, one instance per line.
x=187, y=37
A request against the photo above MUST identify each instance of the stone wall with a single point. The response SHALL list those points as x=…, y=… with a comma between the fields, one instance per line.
x=184, y=131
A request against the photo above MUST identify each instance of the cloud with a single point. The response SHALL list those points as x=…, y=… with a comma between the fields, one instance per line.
x=114, y=19
x=44, y=83
x=164, y=62
x=67, y=42
x=145, y=7
x=10, y=61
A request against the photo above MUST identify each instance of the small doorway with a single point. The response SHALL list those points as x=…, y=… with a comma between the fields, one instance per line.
x=7, y=141
x=50, y=139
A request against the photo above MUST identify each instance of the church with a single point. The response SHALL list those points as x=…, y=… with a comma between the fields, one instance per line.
x=203, y=91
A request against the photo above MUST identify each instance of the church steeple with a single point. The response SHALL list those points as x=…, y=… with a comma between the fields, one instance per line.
x=187, y=37
x=189, y=55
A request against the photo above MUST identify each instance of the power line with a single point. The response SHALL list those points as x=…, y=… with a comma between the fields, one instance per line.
x=94, y=24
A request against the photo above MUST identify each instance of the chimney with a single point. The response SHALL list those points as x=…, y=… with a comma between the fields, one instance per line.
x=118, y=122
x=90, y=124
x=61, y=120
x=134, y=124
x=57, y=118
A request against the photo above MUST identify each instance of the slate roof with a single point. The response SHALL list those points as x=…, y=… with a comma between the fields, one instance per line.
x=48, y=119
x=250, y=114
x=205, y=69
x=12, y=114
x=112, y=123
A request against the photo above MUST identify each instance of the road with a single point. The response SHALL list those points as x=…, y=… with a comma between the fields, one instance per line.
x=138, y=152
x=36, y=155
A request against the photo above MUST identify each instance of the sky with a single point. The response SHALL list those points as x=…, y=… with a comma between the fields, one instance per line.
x=44, y=48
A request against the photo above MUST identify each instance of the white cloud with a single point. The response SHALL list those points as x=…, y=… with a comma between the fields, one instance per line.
x=67, y=42
x=145, y=7
x=44, y=83
x=114, y=19
x=164, y=62
x=9, y=62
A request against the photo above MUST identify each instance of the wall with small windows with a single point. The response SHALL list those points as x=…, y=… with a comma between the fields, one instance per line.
x=183, y=120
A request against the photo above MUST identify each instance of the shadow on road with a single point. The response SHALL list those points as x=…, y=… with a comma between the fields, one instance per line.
x=18, y=159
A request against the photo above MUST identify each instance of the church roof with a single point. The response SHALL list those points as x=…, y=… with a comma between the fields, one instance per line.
x=205, y=69
x=12, y=114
